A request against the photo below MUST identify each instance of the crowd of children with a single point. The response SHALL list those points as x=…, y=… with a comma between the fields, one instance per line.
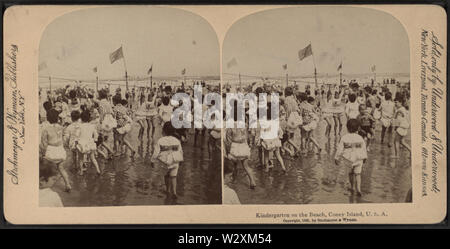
x=78, y=126
x=351, y=111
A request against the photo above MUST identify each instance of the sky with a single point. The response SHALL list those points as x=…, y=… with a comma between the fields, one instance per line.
x=262, y=42
x=170, y=39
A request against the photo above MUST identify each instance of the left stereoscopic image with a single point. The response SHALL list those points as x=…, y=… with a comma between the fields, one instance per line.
x=107, y=77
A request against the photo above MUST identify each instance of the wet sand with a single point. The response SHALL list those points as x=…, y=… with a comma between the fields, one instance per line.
x=126, y=181
x=384, y=179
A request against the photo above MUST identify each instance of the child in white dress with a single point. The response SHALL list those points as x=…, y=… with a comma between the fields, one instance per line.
x=86, y=142
x=169, y=152
x=52, y=145
x=352, y=151
x=401, y=121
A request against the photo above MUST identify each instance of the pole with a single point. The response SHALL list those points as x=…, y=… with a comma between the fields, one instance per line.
x=50, y=79
x=151, y=82
x=240, y=84
x=314, y=62
x=287, y=80
x=315, y=76
x=125, y=65
x=96, y=86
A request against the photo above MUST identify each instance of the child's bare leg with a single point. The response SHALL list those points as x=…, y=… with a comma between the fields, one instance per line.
x=336, y=123
x=173, y=181
x=315, y=143
x=328, y=127
x=249, y=173
x=402, y=142
x=149, y=128
x=265, y=160
x=389, y=133
x=396, y=146
x=261, y=156
x=141, y=129
x=286, y=148
x=167, y=183
x=104, y=144
x=94, y=161
x=235, y=171
x=293, y=144
x=358, y=183
x=65, y=176
x=129, y=146
x=383, y=133
x=280, y=159
x=351, y=178
x=80, y=162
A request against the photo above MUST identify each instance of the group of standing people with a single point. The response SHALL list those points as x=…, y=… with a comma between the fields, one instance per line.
x=79, y=125
x=351, y=113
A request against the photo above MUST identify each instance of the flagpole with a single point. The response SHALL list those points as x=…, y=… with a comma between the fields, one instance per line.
x=374, y=76
x=151, y=81
x=287, y=80
x=340, y=75
x=240, y=84
x=125, y=65
x=314, y=62
x=97, y=80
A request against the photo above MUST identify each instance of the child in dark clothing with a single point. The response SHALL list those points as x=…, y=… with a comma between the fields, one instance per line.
x=366, y=124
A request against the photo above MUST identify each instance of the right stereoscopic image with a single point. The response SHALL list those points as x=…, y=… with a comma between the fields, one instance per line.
x=332, y=85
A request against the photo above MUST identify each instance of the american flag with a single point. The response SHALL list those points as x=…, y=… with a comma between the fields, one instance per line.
x=150, y=70
x=303, y=53
x=339, y=67
x=116, y=55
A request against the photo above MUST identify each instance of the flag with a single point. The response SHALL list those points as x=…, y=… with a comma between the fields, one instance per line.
x=94, y=69
x=373, y=68
x=183, y=71
x=118, y=54
x=303, y=53
x=42, y=66
x=339, y=67
x=150, y=70
x=232, y=62
x=285, y=66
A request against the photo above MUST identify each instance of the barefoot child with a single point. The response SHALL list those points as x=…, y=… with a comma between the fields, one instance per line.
x=168, y=151
x=71, y=135
x=402, y=123
x=271, y=142
x=52, y=145
x=237, y=148
x=310, y=120
x=351, y=151
x=367, y=124
x=86, y=142
x=387, y=114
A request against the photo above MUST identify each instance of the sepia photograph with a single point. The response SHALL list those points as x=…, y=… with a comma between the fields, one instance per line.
x=224, y=115
x=106, y=80
x=342, y=78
